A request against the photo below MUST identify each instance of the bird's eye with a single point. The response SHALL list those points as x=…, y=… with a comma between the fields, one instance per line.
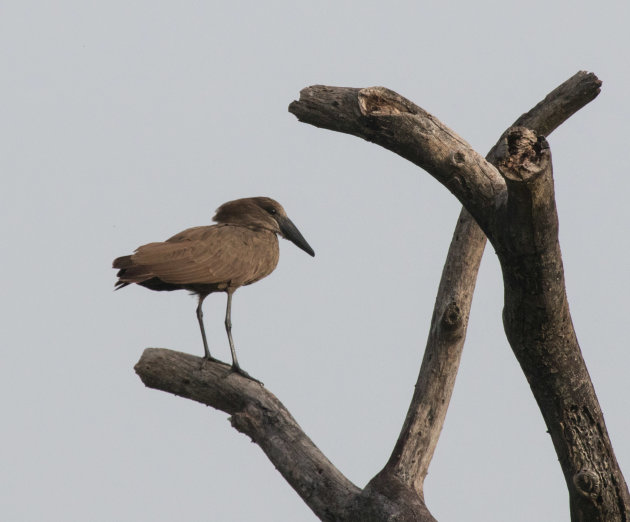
x=271, y=210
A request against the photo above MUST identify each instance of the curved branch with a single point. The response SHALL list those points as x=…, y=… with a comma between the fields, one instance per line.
x=561, y=103
x=519, y=217
x=384, y=117
x=257, y=413
x=412, y=454
x=381, y=116
x=414, y=449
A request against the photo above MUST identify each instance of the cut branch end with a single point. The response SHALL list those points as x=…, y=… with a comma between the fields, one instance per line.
x=522, y=155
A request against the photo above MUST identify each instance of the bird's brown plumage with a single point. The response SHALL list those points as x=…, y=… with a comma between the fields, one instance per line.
x=241, y=249
x=203, y=259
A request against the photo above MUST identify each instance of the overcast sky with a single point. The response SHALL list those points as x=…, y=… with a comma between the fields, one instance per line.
x=123, y=123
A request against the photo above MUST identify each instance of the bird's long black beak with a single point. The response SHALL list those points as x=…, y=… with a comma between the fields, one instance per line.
x=290, y=232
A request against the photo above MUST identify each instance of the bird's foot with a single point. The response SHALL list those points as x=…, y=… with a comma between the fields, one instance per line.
x=239, y=370
x=205, y=360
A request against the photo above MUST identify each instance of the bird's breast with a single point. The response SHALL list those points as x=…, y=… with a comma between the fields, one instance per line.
x=255, y=257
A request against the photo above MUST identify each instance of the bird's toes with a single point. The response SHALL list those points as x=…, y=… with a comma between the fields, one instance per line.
x=239, y=370
x=206, y=360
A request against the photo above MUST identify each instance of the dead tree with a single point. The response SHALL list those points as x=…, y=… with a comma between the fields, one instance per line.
x=507, y=197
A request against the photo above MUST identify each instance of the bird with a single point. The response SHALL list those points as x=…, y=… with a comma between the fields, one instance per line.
x=240, y=249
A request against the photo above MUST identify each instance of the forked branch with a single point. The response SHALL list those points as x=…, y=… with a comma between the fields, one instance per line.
x=414, y=449
x=386, y=118
x=518, y=214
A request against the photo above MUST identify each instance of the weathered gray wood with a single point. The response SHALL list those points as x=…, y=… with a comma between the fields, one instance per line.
x=539, y=328
x=413, y=452
x=561, y=103
x=502, y=211
x=257, y=413
x=396, y=492
x=384, y=117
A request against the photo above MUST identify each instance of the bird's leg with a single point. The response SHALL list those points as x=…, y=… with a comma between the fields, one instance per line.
x=228, y=328
x=203, y=331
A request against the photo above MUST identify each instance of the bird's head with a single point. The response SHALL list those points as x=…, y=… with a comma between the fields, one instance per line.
x=265, y=213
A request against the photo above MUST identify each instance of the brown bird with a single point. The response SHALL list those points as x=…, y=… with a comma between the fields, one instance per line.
x=239, y=250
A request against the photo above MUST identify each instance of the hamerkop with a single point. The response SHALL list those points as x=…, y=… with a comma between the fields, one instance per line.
x=239, y=250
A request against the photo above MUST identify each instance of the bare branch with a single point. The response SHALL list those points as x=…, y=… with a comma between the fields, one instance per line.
x=257, y=413
x=384, y=117
x=558, y=106
x=523, y=190
x=414, y=449
x=519, y=216
x=539, y=328
x=409, y=462
x=561, y=103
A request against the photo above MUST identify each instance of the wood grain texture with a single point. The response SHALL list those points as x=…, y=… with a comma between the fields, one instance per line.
x=384, y=117
x=257, y=413
x=413, y=452
x=521, y=192
x=503, y=222
x=539, y=328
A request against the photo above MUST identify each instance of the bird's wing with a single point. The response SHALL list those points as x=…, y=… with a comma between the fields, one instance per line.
x=210, y=255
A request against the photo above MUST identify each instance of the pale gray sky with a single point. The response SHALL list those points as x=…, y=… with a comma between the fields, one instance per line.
x=125, y=122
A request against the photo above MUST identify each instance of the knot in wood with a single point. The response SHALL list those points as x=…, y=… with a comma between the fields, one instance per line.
x=451, y=317
x=249, y=421
x=587, y=482
x=458, y=158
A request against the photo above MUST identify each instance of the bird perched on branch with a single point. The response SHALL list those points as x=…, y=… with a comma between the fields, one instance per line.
x=239, y=250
